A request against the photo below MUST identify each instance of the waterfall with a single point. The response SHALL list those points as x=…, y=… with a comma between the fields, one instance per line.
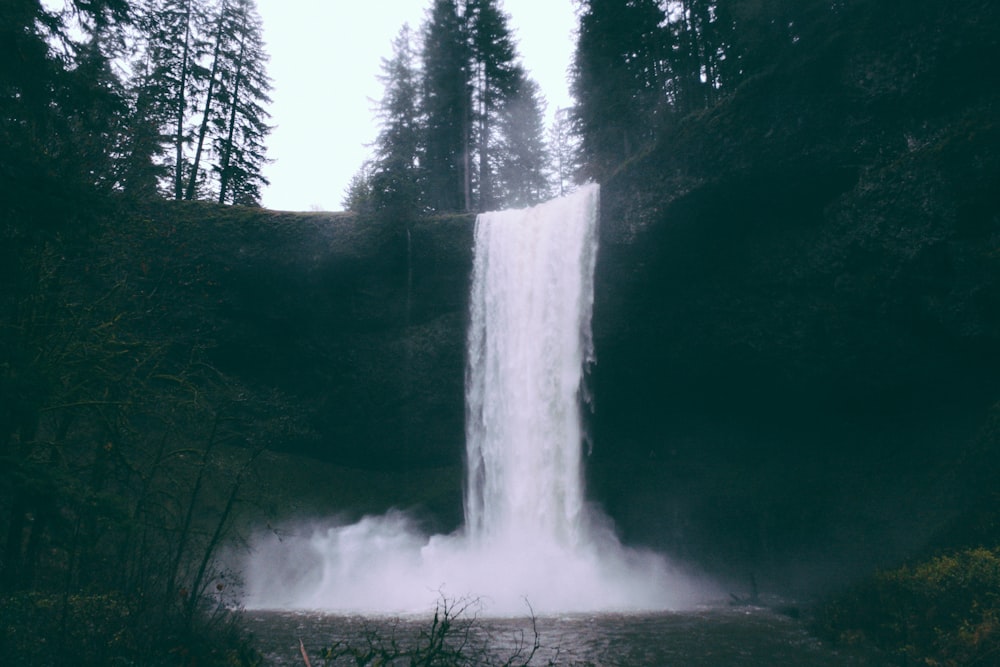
x=529, y=536
x=529, y=339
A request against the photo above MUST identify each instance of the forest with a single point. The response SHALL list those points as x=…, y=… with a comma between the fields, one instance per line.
x=799, y=272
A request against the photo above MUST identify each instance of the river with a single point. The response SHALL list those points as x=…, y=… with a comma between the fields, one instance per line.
x=708, y=637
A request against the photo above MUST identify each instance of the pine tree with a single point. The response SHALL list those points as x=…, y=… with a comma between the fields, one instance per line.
x=197, y=96
x=239, y=135
x=60, y=105
x=168, y=80
x=695, y=63
x=395, y=177
x=226, y=26
x=102, y=127
x=521, y=154
x=186, y=82
x=144, y=165
x=619, y=80
x=564, y=151
x=495, y=79
x=358, y=194
x=446, y=109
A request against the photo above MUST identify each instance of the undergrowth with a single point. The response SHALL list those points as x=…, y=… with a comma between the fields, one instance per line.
x=944, y=611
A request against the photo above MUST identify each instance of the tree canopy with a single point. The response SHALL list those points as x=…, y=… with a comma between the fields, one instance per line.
x=462, y=124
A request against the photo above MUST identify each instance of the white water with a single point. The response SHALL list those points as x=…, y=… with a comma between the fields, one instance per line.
x=529, y=536
x=529, y=340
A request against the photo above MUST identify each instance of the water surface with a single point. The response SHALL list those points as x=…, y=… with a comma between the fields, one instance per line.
x=707, y=637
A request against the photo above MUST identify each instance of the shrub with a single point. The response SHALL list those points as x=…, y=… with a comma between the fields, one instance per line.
x=453, y=638
x=944, y=611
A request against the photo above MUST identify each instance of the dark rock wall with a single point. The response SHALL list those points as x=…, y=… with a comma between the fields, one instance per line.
x=358, y=325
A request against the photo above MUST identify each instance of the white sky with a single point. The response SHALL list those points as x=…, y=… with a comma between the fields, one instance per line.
x=326, y=56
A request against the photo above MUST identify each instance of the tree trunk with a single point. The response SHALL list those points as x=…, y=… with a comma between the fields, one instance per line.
x=485, y=182
x=179, y=137
x=203, y=130
x=228, y=148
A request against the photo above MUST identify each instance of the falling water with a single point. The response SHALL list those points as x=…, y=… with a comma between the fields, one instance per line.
x=529, y=535
x=529, y=339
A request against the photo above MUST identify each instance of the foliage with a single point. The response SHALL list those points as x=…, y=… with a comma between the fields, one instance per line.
x=60, y=116
x=494, y=77
x=394, y=181
x=453, y=639
x=124, y=452
x=618, y=80
x=641, y=65
x=944, y=611
x=565, y=151
x=358, y=195
x=199, y=74
x=446, y=108
x=462, y=129
x=105, y=629
x=522, y=171
x=239, y=139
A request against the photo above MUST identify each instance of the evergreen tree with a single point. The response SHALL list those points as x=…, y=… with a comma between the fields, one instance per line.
x=239, y=135
x=619, y=80
x=169, y=79
x=144, y=165
x=495, y=79
x=358, y=194
x=464, y=129
x=522, y=156
x=59, y=127
x=564, y=151
x=446, y=109
x=226, y=23
x=187, y=81
x=395, y=178
x=695, y=64
x=197, y=96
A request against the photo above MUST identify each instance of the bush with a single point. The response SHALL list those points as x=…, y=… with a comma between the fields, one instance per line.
x=104, y=630
x=454, y=638
x=945, y=611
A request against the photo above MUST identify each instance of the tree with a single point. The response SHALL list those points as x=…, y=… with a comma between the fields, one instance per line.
x=60, y=106
x=395, y=175
x=463, y=130
x=240, y=135
x=168, y=82
x=495, y=78
x=358, y=194
x=226, y=25
x=189, y=51
x=522, y=156
x=200, y=83
x=564, y=151
x=619, y=80
x=446, y=102
x=695, y=62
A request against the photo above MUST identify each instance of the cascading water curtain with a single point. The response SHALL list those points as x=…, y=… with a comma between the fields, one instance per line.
x=529, y=339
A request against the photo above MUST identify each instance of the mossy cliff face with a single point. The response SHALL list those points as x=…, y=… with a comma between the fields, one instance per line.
x=357, y=324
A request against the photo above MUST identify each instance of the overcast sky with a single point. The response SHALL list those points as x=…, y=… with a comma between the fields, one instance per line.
x=325, y=60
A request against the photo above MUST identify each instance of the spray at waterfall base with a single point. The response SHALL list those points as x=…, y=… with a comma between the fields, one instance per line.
x=529, y=537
